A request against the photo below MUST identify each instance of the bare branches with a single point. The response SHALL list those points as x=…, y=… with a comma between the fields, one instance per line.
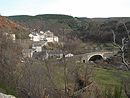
x=114, y=40
x=122, y=47
x=123, y=53
x=127, y=31
x=51, y=79
x=76, y=93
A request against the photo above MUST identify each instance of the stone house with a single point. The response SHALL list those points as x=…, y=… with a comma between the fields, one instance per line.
x=48, y=54
x=34, y=36
x=54, y=53
x=37, y=47
x=13, y=37
x=69, y=55
x=27, y=53
x=10, y=35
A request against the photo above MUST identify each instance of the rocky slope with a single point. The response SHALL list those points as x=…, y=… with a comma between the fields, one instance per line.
x=8, y=26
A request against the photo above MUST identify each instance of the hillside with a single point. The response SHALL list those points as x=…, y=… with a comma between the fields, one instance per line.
x=6, y=25
x=59, y=24
x=87, y=29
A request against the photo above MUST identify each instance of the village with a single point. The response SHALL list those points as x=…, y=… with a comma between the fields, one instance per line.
x=40, y=40
x=36, y=48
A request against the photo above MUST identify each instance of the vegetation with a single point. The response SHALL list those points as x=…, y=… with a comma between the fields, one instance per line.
x=95, y=29
x=8, y=26
x=65, y=78
x=110, y=77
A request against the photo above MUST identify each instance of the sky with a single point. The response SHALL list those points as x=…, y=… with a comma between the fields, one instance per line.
x=76, y=8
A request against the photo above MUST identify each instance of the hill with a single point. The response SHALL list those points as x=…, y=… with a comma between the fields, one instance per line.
x=8, y=26
x=87, y=29
x=60, y=24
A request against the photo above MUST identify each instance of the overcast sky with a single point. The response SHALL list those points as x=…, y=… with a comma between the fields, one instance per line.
x=76, y=8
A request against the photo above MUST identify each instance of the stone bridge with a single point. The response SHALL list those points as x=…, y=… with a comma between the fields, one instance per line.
x=96, y=55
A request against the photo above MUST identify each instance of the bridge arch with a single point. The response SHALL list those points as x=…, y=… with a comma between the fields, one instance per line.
x=95, y=57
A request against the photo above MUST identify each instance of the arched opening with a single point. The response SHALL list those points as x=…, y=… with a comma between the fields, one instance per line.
x=96, y=58
x=84, y=61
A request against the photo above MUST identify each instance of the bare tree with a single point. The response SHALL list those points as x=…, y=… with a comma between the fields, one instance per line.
x=10, y=54
x=123, y=50
x=33, y=81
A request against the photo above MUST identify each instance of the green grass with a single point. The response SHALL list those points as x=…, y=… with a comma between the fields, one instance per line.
x=108, y=79
x=103, y=76
x=59, y=77
x=7, y=89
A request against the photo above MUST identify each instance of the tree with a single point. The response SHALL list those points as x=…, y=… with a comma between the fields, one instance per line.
x=10, y=54
x=124, y=54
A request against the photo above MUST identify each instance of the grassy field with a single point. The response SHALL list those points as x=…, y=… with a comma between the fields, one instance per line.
x=108, y=79
x=104, y=77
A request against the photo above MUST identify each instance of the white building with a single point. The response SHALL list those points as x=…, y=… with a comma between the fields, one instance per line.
x=31, y=36
x=41, y=32
x=42, y=37
x=37, y=48
x=27, y=53
x=56, y=39
x=69, y=55
x=50, y=37
x=34, y=36
x=12, y=36
x=47, y=36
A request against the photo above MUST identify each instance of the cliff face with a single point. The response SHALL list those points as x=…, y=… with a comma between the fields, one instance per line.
x=6, y=96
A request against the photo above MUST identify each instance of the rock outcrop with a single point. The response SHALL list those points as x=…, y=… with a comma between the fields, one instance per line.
x=6, y=96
